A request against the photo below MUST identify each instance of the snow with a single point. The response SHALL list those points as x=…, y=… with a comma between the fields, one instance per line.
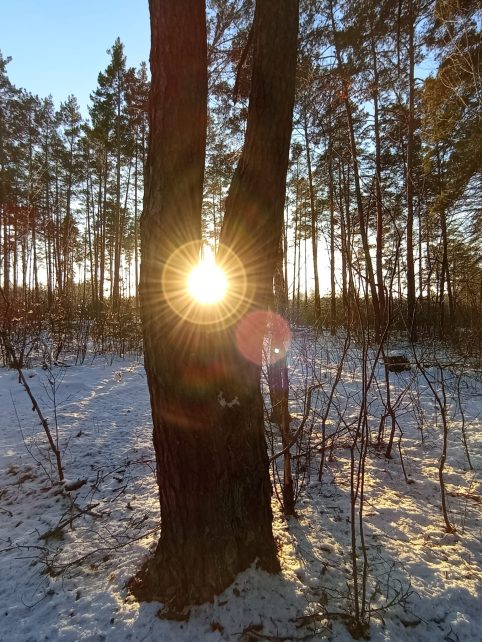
x=66, y=556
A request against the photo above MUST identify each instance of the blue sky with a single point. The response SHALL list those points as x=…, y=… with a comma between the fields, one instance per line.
x=58, y=47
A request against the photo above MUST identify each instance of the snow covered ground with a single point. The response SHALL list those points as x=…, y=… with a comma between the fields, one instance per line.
x=66, y=557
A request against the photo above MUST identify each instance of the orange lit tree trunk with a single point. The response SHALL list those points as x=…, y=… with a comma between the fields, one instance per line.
x=212, y=465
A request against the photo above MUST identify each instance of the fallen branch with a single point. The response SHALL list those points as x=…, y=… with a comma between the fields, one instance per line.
x=56, y=532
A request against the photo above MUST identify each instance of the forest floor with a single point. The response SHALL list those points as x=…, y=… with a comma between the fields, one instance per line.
x=65, y=557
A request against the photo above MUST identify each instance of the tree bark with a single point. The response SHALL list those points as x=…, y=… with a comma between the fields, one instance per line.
x=118, y=228
x=362, y=220
x=295, y=302
x=212, y=465
x=411, y=294
x=314, y=231
x=331, y=199
x=378, y=187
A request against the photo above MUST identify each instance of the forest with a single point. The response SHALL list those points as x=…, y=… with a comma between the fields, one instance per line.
x=383, y=187
x=312, y=432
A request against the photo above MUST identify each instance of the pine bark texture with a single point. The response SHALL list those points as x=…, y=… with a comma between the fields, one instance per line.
x=212, y=464
x=253, y=219
x=411, y=294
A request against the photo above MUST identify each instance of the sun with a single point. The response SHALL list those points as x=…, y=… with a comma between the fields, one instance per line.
x=203, y=287
x=207, y=283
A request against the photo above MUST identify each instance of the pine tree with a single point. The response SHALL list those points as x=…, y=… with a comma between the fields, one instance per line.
x=109, y=117
x=212, y=463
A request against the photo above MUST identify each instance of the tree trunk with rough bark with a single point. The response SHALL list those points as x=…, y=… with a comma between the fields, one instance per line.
x=313, y=216
x=212, y=464
x=410, y=276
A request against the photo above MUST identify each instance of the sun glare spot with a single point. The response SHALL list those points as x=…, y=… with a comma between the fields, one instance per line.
x=205, y=288
x=207, y=283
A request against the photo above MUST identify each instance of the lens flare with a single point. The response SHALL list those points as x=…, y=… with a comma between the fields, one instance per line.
x=252, y=330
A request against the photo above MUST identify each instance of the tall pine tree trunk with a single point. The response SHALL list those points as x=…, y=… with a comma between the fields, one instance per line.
x=207, y=410
x=117, y=219
x=331, y=199
x=378, y=187
x=314, y=231
x=411, y=297
x=6, y=251
x=362, y=219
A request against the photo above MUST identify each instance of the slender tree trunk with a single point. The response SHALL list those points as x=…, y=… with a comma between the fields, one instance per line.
x=285, y=255
x=314, y=231
x=102, y=222
x=117, y=250
x=420, y=251
x=35, y=257
x=89, y=250
x=136, y=226
x=50, y=269
x=95, y=244
x=343, y=245
x=2, y=215
x=58, y=236
x=296, y=243
x=347, y=245
x=15, y=259
x=6, y=253
x=356, y=177
x=411, y=296
x=378, y=187
x=445, y=275
x=24, y=254
x=69, y=223
x=278, y=382
x=305, y=248
x=3, y=208
x=331, y=198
